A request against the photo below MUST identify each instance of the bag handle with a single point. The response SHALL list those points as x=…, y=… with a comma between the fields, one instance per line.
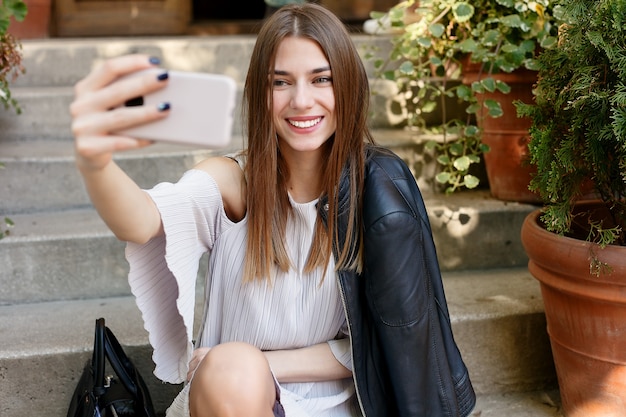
x=97, y=360
x=127, y=373
x=119, y=361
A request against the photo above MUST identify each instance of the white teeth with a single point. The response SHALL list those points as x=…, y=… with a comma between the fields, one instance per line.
x=305, y=124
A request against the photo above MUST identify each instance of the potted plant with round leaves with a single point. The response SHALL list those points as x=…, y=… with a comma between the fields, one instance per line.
x=10, y=68
x=439, y=44
x=575, y=242
x=10, y=50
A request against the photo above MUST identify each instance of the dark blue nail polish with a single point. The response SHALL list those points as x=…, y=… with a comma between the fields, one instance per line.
x=162, y=77
x=163, y=106
x=154, y=60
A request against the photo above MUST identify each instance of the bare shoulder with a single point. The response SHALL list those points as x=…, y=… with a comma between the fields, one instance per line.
x=231, y=182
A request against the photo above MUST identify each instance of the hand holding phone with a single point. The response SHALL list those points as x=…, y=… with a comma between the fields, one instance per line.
x=201, y=109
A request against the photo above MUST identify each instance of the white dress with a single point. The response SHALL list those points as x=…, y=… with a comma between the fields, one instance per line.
x=293, y=311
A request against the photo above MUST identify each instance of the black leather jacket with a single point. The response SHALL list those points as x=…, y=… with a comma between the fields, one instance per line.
x=405, y=360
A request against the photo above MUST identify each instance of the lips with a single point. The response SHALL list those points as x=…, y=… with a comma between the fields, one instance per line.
x=305, y=124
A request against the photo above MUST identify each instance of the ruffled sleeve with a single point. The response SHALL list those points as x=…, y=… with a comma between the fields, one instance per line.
x=341, y=347
x=163, y=271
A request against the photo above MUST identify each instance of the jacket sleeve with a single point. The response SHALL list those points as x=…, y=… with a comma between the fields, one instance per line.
x=405, y=300
x=403, y=311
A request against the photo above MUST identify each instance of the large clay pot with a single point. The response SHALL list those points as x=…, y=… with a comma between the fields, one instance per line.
x=506, y=163
x=586, y=317
x=36, y=25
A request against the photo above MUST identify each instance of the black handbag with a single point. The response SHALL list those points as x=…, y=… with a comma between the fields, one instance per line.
x=123, y=394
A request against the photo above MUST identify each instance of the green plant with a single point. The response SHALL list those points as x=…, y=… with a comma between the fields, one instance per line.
x=578, y=134
x=435, y=42
x=4, y=229
x=10, y=50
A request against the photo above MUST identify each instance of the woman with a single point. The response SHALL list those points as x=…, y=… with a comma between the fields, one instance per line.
x=283, y=222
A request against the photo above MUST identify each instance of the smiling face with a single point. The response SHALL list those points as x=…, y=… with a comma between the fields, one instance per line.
x=303, y=108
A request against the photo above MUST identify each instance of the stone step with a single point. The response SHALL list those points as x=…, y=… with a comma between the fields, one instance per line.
x=41, y=175
x=543, y=403
x=71, y=254
x=497, y=318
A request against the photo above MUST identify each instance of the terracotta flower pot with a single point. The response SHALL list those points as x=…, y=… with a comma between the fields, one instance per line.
x=36, y=25
x=506, y=163
x=586, y=316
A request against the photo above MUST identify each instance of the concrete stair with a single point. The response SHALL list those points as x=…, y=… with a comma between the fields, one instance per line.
x=62, y=268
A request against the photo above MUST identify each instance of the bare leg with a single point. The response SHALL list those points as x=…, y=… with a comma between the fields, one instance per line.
x=234, y=379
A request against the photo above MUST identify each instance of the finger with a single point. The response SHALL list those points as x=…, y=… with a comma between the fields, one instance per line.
x=111, y=69
x=118, y=119
x=196, y=358
x=115, y=94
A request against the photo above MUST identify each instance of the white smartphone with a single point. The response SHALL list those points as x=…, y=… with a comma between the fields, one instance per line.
x=201, y=112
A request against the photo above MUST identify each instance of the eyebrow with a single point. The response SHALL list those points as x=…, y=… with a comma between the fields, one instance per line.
x=314, y=71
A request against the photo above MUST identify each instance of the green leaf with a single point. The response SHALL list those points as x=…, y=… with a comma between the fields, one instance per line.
x=477, y=87
x=4, y=24
x=468, y=46
x=532, y=65
x=407, y=68
x=471, y=130
x=16, y=8
x=489, y=84
x=456, y=149
x=377, y=15
x=512, y=21
x=509, y=48
x=435, y=60
x=443, y=159
x=503, y=87
x=491, y=37
x=494, y=108
x=424, y=42
x=437, y=30
x=429, y=107
x=528, y=45
x=506, y=3
x=396, y=14
x=472, y=108
x=464, y=92
x=548, y=42
x=462, y=164
x=463, y=11
x=470, y=181
x=443, y=177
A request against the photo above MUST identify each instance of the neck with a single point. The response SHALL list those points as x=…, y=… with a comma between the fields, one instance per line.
x=305, y=176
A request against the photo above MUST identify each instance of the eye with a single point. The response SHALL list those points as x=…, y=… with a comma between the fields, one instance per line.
x=279, y=82
x=326, y=79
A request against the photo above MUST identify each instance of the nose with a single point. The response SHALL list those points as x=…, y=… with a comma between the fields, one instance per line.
x=302, y=96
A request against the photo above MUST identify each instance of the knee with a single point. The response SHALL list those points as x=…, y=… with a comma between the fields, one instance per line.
x=230, y=373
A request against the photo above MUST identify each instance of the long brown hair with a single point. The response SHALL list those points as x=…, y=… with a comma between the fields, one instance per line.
x=266, y=172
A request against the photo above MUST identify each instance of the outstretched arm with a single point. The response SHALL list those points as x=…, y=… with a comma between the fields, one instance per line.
x=96, y=113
